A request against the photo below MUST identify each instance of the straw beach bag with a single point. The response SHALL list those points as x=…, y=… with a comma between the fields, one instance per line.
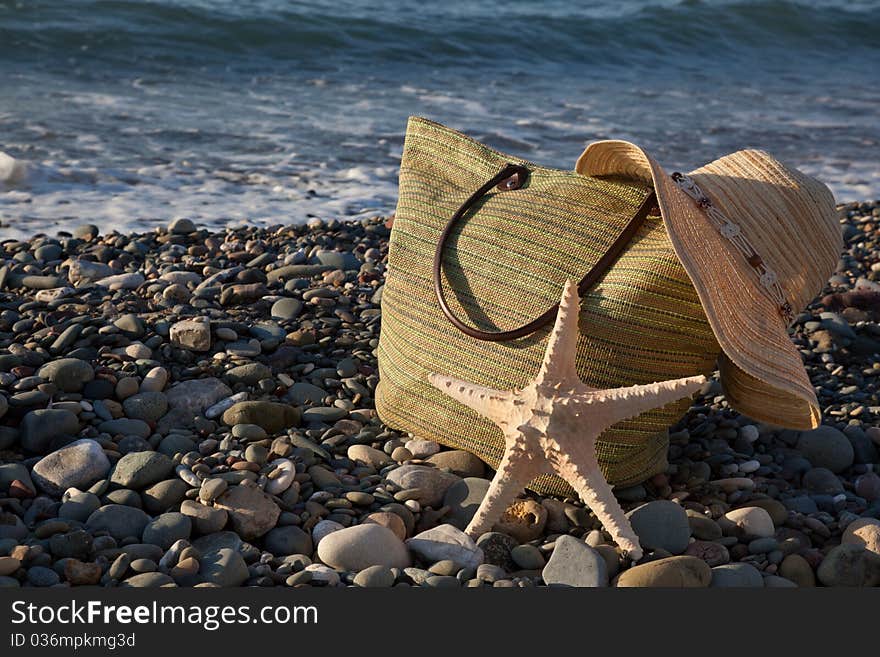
x=503, y=235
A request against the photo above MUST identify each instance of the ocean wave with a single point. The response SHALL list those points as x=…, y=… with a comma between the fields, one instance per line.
x=517, y=33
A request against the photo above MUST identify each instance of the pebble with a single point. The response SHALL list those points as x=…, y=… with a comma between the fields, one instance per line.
x=668, y=572
x=827, y=447
x=362, y=546
x=463, y=499
x=79, y=465
x=661, y=524
x=446, y=542
x=524, y=520
x=574, y=563
x=251, y=511
x=736, y=575
x=430, y=483
x=374, y=577
x=748, y=522
x=138, y=470
x=118, y=521
x=849, y=565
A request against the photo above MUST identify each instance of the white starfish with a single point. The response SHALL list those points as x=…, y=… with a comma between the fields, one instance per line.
x=551, y=425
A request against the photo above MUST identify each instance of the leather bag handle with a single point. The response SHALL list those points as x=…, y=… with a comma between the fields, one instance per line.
x=514, y=176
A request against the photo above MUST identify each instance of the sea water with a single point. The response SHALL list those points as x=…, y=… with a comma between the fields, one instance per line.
x=129, y=113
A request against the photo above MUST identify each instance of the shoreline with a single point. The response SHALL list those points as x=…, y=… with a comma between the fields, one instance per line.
x=222, y=453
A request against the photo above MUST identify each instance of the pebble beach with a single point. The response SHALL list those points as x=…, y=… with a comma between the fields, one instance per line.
x=194, y=407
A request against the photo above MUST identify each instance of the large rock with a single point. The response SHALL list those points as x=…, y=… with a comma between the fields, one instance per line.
x=138, y=470
x=671, y=572
x=40, y=427
x=251, y=511
x=431, y=482
x=446, y=542
x=119, y=521
x=827, y=447
x=362, y=546
x=271, y=416
x=574, y=563
x=661, y=524
x=188, y=400
x=68, y=374
x=78, y=465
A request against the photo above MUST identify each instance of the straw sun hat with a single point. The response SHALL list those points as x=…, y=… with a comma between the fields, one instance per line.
x=758, y=240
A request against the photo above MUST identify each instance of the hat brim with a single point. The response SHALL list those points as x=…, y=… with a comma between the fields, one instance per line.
x=762, y=372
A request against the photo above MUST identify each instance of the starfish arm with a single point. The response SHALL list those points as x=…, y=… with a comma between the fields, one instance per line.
x=491, y=403
x=559, y=357
x=628, y=402
x=514, y=472
x=587, y=479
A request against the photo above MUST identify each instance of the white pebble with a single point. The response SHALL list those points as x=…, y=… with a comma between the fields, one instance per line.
x=749, y=466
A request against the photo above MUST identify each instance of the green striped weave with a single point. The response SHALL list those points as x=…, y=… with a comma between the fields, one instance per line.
x=504, y=265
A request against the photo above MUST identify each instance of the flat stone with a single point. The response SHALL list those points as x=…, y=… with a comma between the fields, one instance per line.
x=736, y=575
x=431, y=483
x=446, y=542
x=119, y=521
x=459, y=462
x=370, y=456
x=271, y=416
x=163, y=495
x=574, y=563
x=362, y=546
x=68, y=374
x=301, y=393
x=248, y=374
x=374, y=577
x=126, y=427
x=138, y=470
x=661, y=524
x=669, y=572
x=286, y=309
x=79, y=465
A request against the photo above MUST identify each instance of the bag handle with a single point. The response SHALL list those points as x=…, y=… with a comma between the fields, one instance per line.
x=514, y=176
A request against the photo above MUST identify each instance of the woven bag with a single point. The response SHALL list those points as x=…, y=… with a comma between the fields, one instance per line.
x=502, y=262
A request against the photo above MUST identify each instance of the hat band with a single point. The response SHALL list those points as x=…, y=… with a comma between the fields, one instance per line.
x=766, y=276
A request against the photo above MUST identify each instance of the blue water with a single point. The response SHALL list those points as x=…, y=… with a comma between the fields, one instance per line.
x=130, y=113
